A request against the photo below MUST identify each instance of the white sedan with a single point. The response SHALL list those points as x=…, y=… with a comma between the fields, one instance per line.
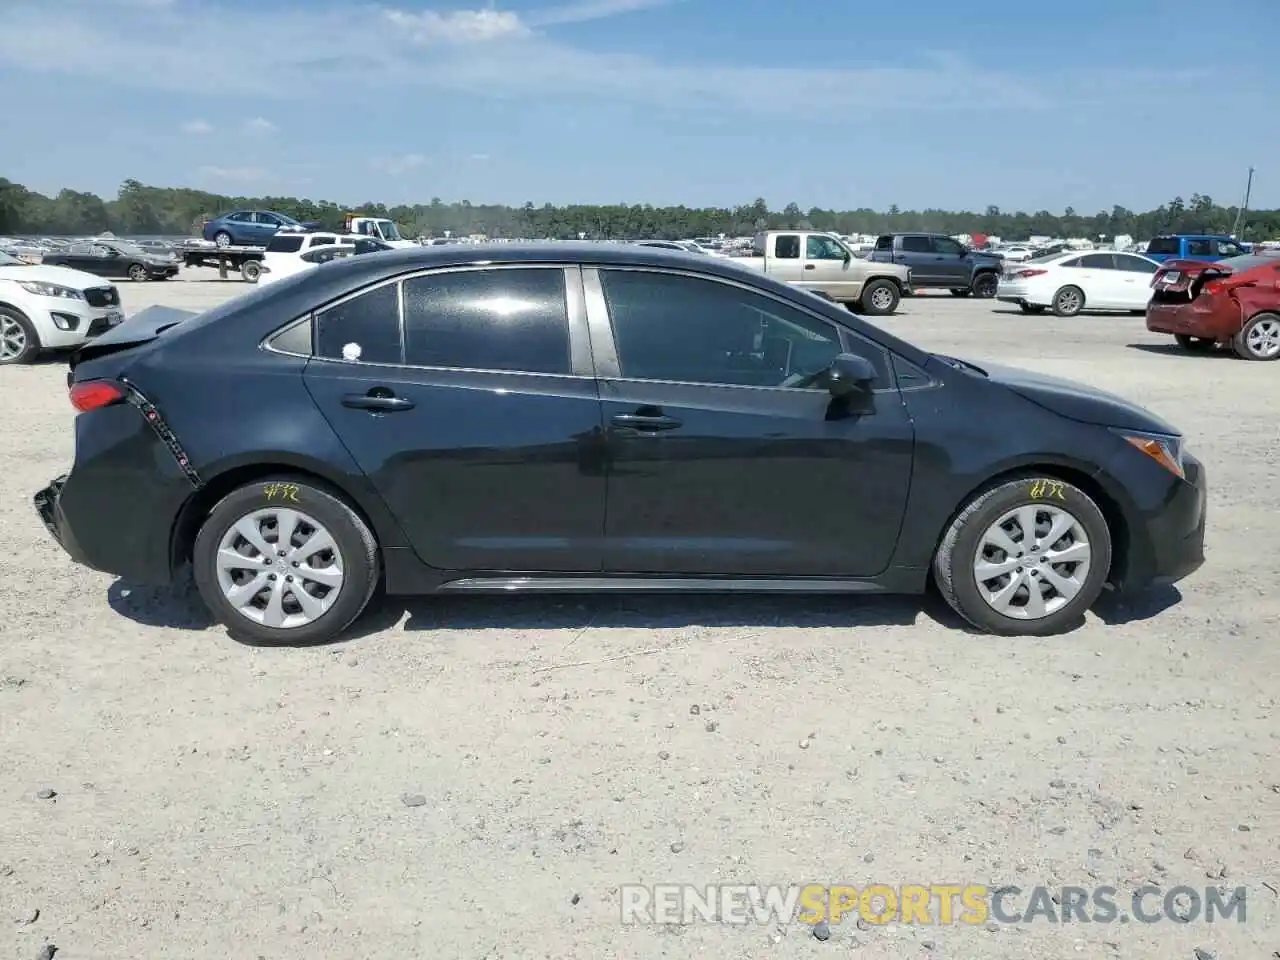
x=1067, y=283
x=51, y=308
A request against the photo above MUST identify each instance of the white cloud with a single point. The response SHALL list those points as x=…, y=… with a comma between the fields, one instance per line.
x=495, y=53
x=234, y=174
x=398, y=166
x=197, y=127
x=259, y=125
x=457, y=26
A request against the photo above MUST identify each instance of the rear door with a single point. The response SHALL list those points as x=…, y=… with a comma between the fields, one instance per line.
x=1094, y=273
x=916, y=251
x=467, y=396
x=786, y=262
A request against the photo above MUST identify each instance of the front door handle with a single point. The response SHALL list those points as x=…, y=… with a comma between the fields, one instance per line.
x=640, y=421
x=376, y=400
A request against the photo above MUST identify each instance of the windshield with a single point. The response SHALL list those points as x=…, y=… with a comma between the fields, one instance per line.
x=389, y=231
x=8, y=261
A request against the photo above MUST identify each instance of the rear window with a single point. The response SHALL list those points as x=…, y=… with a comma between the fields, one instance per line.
x=286, y=244
x=1164, y=245
x=1247, y=262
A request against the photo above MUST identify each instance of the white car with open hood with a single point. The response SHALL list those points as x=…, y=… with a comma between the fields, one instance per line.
x=51, y=308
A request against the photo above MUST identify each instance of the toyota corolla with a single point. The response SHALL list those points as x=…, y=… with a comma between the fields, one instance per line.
x=557, y=418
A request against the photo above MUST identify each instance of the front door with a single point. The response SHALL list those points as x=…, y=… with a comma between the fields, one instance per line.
x=474, y=421
x=1135, y=275
x=827, y=268
x=952, y=263
x=786, y=264
x=724, y=458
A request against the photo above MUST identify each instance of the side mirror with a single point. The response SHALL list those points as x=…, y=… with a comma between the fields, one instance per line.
x=848, y=258
x=849, y=373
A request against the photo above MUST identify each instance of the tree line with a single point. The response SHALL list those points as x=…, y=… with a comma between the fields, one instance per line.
x=138, y=209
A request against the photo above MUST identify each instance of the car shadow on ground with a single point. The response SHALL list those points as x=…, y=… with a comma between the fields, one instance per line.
x=179, y=607
x=1173, y=350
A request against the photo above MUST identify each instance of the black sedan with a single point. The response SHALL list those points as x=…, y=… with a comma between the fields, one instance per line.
x=115, y=258
x=559, y=418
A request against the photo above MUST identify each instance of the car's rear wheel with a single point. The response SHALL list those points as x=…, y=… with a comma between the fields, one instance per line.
x=1194, y=344
x=281, y=561
x=19, y=342
x=1028, y=556
x=222, y=239
x=1031, y=308
x=137, y=273
x=1068, y=301
x=880, y=297
x=985, y=285
x=1260, y=338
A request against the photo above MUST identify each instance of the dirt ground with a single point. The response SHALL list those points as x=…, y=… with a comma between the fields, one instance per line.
x=476, y=777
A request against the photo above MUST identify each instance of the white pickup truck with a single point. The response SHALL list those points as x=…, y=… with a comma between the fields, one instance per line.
x=824, y=264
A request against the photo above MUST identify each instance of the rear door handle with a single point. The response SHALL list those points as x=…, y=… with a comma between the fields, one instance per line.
x=379, y=402
x=640, y=421
x=810, y=266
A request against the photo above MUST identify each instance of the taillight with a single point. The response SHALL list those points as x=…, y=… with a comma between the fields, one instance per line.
x=1023, y=274
x=1214, y=287
x=95, y=394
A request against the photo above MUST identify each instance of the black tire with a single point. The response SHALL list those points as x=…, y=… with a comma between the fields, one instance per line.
x=984, y=285
x=1194, y=344
x=251, y=271
x=137, y=273
x=354, y=539
x=30, y=349
x=1031, y=308
x=953, y=564
x=1068, y=301
x=1259, y=339
x=222, y=239
x=879, y=298
x=960, y=292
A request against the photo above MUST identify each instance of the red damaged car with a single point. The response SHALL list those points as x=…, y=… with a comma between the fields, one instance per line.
x=1234, y=301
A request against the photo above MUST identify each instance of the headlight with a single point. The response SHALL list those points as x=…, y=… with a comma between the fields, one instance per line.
x=1163, y=449
x=40, y=289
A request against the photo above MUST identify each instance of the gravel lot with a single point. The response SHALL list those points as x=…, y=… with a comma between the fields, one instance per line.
x=477, y=777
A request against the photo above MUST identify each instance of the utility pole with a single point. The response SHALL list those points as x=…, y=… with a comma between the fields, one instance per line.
x=1248, y=188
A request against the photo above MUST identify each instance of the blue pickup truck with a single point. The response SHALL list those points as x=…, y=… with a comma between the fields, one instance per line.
x=1194, y=246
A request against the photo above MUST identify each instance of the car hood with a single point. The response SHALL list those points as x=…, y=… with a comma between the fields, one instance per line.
x=1077, y=401
x=63, y=276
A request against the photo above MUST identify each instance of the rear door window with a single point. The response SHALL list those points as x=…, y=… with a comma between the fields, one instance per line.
x=1200, y=248
x=283, y=243
x=787, y=247
x=1135, y=264
x=497, y=319
x=917, y=245
x=1164, y=246
x=365, y=327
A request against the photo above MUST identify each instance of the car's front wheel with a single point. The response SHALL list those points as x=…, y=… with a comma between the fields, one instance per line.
x=137, y=273
x=880, y=298
x=1028, y=556
x=19, y=342
x=282, y=561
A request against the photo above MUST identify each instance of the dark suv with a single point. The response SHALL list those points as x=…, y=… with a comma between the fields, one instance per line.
x=561, y=418
x=941, y=262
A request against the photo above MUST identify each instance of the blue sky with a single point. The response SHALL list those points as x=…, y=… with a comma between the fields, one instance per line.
x=839, y=104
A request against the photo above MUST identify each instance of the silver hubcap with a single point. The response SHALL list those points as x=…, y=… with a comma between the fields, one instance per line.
x=1264, y=338
x=882, y=298
x=1032, y=562
x=279, y=568
x=1069, y=301
x=222, y=240
x=13, y=339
